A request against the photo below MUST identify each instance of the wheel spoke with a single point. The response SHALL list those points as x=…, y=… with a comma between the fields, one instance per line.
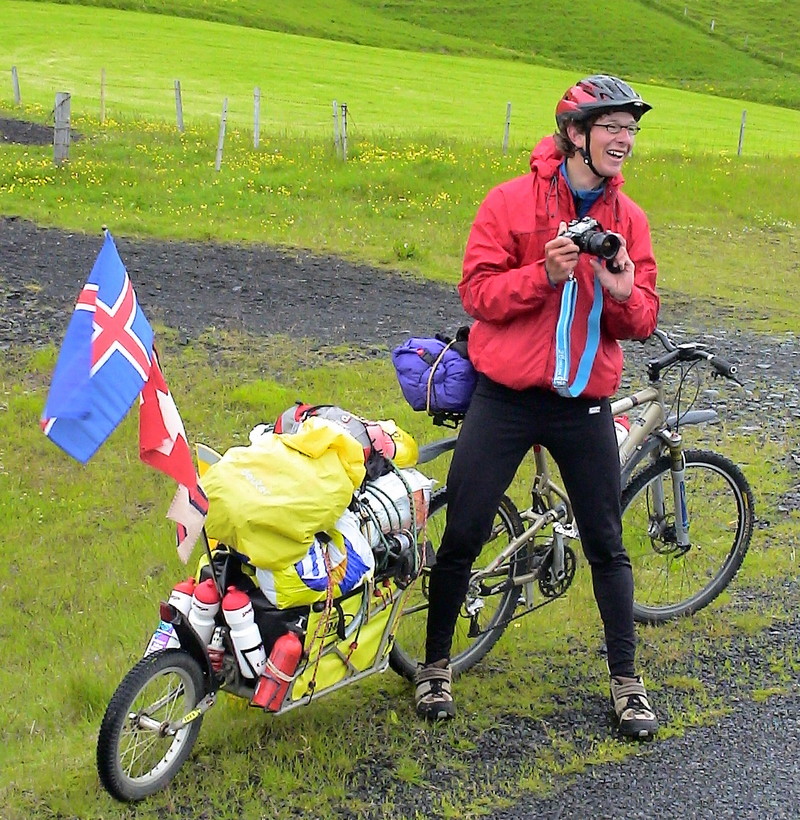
x=479, y=609
x=669, y=580
x=134, y=757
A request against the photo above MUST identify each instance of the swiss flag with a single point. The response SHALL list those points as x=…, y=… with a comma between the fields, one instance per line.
x=163, y=445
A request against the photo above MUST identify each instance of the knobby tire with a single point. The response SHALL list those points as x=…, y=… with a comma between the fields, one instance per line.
x=132, y=762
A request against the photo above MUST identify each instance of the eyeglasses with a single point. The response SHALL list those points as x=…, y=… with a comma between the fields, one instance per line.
x=615, y=128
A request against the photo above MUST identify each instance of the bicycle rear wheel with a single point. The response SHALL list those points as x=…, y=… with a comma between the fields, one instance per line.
x=135, y=758
x=483, y=617
x=670, y=582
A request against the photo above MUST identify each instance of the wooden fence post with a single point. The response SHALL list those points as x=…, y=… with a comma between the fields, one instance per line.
x=336, y=141
x=741, y=133
x=61, y=133
x=179, y=105
x=102, y=96
x=221, y=140
x=256, y=116
x=15, y=85
x=507, y=127
x=344, y=132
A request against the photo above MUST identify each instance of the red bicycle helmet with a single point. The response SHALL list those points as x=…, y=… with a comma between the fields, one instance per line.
x=596, y=94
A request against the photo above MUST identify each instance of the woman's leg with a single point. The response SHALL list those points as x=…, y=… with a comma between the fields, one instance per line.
x=494, y=437
x=584, y=446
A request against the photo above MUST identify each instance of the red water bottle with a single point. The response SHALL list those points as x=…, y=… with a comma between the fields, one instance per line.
x=281, y=665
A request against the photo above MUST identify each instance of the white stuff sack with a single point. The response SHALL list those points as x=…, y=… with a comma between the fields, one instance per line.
x=387, y=503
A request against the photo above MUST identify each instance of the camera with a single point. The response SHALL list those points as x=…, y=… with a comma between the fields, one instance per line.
x=589, y=236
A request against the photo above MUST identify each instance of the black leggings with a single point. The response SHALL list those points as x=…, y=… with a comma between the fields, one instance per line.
x=500, y=427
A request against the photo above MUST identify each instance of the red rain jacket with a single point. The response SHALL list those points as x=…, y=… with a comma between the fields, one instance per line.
x=505, y=287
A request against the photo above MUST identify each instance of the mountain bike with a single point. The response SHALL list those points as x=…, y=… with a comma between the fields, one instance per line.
x=688, y=517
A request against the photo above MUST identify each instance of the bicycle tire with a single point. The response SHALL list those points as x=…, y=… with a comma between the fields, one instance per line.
x=133, y=762
x=669, y=583
x=494, y=610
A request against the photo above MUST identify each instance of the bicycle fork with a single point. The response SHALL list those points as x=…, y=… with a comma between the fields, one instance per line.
x=658, y=520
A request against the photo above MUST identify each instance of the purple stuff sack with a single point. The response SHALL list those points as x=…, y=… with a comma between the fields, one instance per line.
x=435, y=374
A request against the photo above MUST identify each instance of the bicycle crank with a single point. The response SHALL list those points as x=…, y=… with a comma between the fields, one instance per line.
x=550, y=585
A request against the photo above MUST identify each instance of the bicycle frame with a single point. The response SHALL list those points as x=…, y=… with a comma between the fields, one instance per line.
x=550, y=505
x=650, y=436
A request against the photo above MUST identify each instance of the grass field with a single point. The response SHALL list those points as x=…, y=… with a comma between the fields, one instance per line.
x=388, y=92
x=88, y=550
x=738, y=57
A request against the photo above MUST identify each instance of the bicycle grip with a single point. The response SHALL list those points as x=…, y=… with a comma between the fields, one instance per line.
x=724, y=367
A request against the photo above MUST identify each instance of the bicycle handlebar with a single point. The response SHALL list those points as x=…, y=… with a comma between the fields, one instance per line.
x=688, y=352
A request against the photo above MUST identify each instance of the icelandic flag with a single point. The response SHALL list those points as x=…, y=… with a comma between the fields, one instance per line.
x=163, y=445
x=104, y=361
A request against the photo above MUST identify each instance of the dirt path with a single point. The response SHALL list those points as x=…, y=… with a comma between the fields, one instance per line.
x=194, y=286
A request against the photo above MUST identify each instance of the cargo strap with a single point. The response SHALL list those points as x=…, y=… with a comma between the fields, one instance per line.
x=434, y=365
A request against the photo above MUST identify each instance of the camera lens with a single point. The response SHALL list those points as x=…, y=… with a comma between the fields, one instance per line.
x=603, y=244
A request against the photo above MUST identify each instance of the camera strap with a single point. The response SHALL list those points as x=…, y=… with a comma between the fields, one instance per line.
x=566, y=317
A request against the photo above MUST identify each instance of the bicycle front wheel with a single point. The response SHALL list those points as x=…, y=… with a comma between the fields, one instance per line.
x=671, y=581
x=485, y=613
x=135, y=758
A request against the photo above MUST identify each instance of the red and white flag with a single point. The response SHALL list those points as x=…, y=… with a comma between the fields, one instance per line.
x=163, y=445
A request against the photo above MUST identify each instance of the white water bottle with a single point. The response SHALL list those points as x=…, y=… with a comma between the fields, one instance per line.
x=622, y=424
x=181, y=595
x=237, y=608
x=164, y=637
x=205, y=605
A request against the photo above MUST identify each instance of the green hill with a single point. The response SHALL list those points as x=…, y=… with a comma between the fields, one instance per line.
x=744, y=50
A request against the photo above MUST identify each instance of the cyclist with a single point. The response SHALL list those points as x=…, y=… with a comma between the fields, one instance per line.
x=544, y=343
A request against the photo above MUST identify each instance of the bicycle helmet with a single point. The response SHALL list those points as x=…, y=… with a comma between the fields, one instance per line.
x=595, y=95
x=598, y=94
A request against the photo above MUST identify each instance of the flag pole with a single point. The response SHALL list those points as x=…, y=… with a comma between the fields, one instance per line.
x=210, y=555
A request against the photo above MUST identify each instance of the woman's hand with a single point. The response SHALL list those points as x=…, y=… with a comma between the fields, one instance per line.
x=560, y=256
x=619, y=285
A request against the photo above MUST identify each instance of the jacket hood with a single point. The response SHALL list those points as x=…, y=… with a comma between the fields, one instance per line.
x=546, y=159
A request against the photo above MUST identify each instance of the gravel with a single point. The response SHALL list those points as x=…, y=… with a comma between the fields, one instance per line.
x=194, y=287
x=743, y=766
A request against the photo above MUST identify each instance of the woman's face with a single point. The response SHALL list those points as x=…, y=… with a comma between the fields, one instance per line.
x=608, y=150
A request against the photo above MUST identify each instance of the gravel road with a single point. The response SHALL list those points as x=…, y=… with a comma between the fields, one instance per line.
x=744, y=767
